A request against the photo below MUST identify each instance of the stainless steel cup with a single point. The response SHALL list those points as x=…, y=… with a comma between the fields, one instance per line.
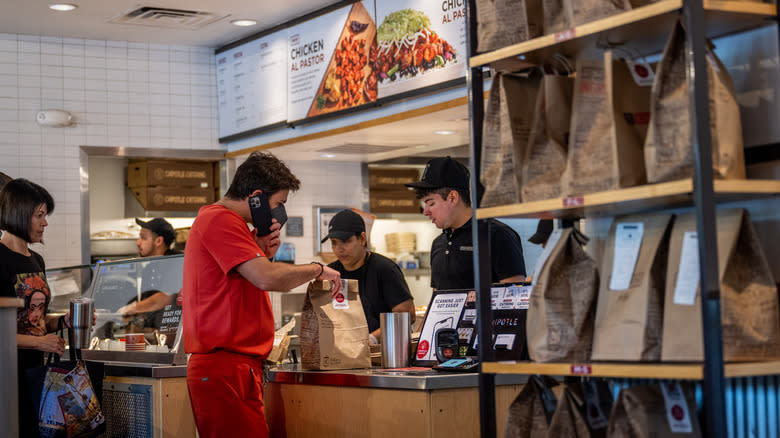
x=81, y=310
x=395, y=339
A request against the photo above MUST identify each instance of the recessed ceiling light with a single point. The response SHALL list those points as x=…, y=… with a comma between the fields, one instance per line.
x=62, y=7
x=243, y=23
x=444, y=132
x=328, y=156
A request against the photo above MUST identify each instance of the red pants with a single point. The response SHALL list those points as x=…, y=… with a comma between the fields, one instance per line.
x=226, y=390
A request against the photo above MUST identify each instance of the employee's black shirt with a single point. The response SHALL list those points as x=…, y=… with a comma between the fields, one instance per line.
x=452, y=265
x=381, y=283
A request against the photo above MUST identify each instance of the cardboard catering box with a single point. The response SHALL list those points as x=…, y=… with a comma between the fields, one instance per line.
x=173, y=198
x=170, y=173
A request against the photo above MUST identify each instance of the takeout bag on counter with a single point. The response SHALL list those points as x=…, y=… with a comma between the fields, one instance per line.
x=562, y=307
x=502, y=23
x=584, y=11
x=507, y=125
x=531, y=411
x=545, y=156
x=582, y=411
x=333, y=337
x=748, y=293
x=653, y=410
x=605, y=150
x=629, y=315
x=668, y=151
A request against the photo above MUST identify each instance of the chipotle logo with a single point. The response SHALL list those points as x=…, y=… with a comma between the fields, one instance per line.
x=422, y=349
x=340, y=297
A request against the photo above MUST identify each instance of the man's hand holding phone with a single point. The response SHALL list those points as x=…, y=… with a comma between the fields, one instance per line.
x=270, y=242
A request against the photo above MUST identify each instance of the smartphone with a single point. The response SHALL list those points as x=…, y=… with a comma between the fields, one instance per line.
x=261, y=213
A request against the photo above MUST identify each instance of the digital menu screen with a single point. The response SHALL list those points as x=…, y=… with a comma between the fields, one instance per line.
x=251, y=84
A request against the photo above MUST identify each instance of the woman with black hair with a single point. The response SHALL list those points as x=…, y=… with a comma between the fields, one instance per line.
x=24, y=207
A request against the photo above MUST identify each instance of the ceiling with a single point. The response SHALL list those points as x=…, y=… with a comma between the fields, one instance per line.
x=91, y=19
x=402, y=141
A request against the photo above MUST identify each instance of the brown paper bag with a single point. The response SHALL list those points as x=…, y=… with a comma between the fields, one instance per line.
x=562, y=306
x=748, y=295
x=331, y=338
x=584, y=11
x=545, y=156
x=582, y=411
x=555, y=18
x=629, y=321
x=605, y=152
x=532, y=409
x=641, y=412
x=668, y=152
x=502, y=23
x=506, y=128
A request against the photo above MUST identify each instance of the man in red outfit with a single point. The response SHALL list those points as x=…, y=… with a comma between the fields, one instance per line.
x=228, y=321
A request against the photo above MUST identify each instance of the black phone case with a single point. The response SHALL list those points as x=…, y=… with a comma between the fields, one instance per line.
x=261, y=214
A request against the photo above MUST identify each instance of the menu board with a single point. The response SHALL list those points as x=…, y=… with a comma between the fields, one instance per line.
x=250, y=84
x=328, y=62
x=421, y=43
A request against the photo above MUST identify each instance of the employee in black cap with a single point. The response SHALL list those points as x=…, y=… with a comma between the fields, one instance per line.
x=444, y=190
x=543, y=230
x=380, y=281
x=155, y=238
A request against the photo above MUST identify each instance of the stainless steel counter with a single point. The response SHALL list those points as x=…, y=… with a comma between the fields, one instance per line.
x=401, y=378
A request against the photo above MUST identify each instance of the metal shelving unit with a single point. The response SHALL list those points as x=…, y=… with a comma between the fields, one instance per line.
x=703, y=19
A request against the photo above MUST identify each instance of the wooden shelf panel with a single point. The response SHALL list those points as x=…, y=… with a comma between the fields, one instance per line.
x=643, y=30
x=693, y=371
x=632, y=199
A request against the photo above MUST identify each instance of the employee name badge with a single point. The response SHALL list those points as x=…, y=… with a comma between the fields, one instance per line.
x=676, y=408
x=551, y=242
x=340, y=301
x=688, y=272
x=628, y=242
x=596, y=418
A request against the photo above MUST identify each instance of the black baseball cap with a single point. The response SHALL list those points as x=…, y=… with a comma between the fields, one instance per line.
x=543, y=231
x=443, y=172
x=159, y=226
x=344, y=225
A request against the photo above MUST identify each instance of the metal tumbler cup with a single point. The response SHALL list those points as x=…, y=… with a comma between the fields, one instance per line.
x=81, y=310
x=395, y=339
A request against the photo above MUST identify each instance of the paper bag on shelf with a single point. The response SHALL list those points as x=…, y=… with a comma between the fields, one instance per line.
x=502, y=23
x=545, y=156
x=584, y=11
x=507, y=125
x=555, y=18
x=333, y=337
x=647, y=411
x=532, y=409
x=605, y=150
x=629, y=315
x=562, y=307
x=582, y=411
x=748, y=294
x=668, y=151
x=281, y=343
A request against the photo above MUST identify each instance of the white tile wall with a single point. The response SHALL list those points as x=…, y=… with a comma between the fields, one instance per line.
x=121, y=94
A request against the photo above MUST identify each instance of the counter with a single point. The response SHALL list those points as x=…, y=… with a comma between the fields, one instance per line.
x=411, y=402
x=147, y=400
